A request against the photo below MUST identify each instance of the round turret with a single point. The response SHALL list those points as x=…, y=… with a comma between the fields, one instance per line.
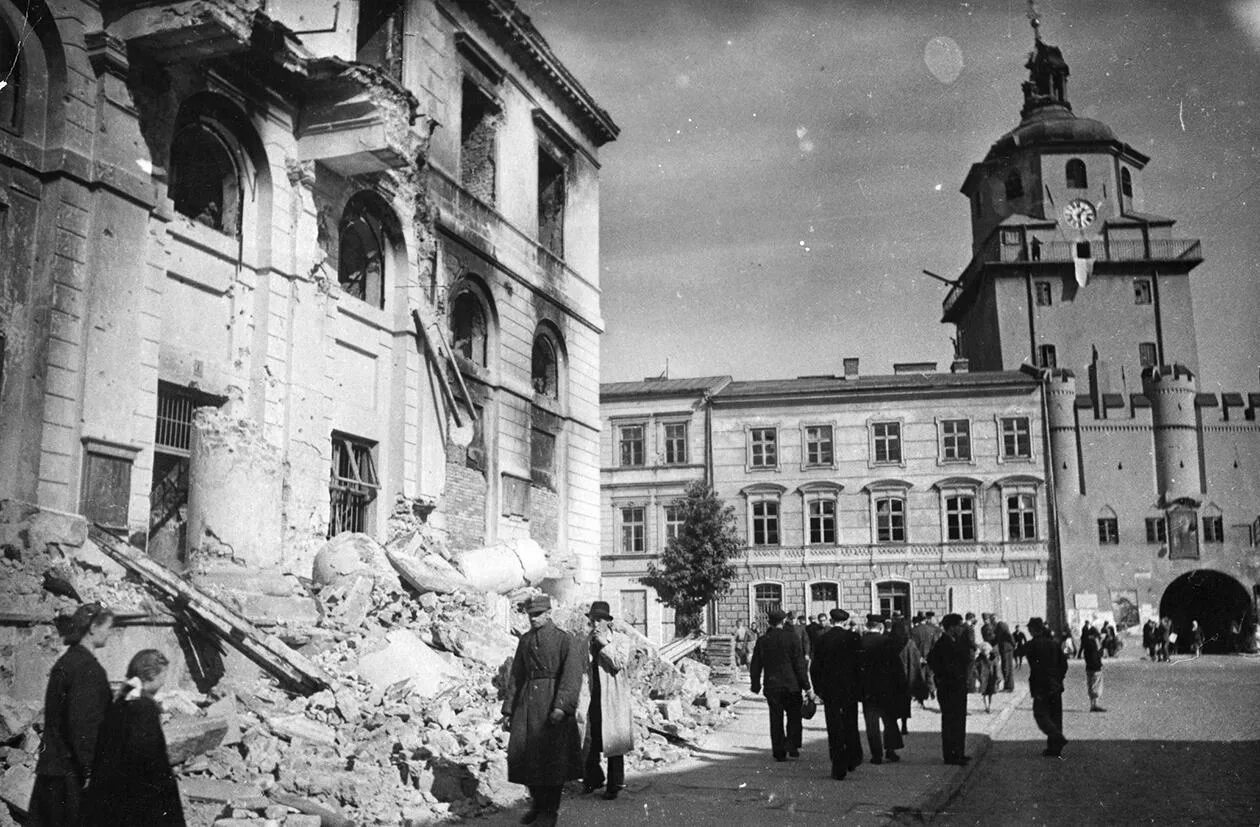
x=1171, y=390
x=1061, y=419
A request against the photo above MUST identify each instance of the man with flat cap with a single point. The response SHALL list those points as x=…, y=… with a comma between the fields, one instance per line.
x=609, y=719
x=883, y=681
x=545, y=749
x=779, y=657
x=834, y=671
x=950, y=660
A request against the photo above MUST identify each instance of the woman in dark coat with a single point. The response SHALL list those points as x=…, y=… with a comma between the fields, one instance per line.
x=74, y=706
x=133, y=783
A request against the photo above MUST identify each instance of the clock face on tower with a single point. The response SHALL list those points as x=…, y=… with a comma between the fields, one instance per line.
x=1079, y=213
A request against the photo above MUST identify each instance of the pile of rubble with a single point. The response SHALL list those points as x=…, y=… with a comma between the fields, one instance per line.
x=408, y=728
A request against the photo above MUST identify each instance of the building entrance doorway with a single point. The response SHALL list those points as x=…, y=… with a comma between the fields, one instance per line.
x=1220, y=603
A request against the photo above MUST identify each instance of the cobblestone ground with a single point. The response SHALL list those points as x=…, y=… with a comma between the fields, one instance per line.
x=1178, y=744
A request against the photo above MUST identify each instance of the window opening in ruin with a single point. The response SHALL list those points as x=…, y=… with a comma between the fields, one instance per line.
x=1014, y=185
x=380, y=35
x=631, y=445
x=11, y=71
x=822, y=521
x=479, y=124
x=551, y=201
x=766, y=597
x=956, y=440
x=1126, y=182
x=1047, y=357
x=633, y=530
x=545, y=368
x=765, y=522
x=468, y=328
x=818, y=445
x=1016, y=437
x=1142, y=291
x=1021, y=516
x=352, y=485
x=168, y=490
x=890, y=519
x=960, y=517
x=1077, y=178
x=106, y=489
x=675, y=443
x=634, y=608
x=205, y=183
x=887, y=442
x=542, y=458
x=1044, y=293
x=763, y=451
x=361, y=254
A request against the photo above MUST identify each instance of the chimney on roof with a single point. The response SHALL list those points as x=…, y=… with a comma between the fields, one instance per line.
x=851, y=368
x=960, y=365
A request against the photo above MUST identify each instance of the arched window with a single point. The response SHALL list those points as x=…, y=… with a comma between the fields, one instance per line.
x=544, y=371
x=1108, y=527
x=1126, y=182
x=468, y=328
x=11, y=67
x=1014, y=185
x=205, y=185
x=1077, y=179
x=361, y=253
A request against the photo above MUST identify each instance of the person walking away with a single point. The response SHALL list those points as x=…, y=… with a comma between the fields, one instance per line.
x=912, y=666
x=742, y=638
x=778, y=658
x=1196, y=638
x=1021, y=640
x=883, y=683
x=1148, y=638
x=132, y=782
x=609, y=718
x=75, y=702
x=1004, y=642
x=834, y=671
x=1047, y=666
x=1092, y=652
x=925, y=634
x=950, y=659
x=544, y=747
x=987, y=660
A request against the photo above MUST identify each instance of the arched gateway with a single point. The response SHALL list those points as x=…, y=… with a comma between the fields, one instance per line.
x=1219, y=602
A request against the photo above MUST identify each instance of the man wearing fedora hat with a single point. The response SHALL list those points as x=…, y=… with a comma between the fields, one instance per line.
x=609, y=720
x=545, y=748
x=778, y=654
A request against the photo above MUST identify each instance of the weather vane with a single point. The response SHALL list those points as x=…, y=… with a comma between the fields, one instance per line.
x=1034, y=20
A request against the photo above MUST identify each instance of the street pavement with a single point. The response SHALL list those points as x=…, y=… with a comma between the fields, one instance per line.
x=733, y=779
x=1178, y=744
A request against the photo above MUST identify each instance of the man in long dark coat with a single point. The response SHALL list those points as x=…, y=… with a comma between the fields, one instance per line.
x=1047, y=666
x=778, y=655
x=545, y=749
x=950, y=659
x=883, y=683
x=1005, y=643
x=834, y=671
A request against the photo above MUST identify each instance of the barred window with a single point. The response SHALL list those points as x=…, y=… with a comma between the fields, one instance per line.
x=353, y=484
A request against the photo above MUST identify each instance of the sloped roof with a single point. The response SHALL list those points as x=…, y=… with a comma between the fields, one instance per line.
x=828, y=385
x=664, y=387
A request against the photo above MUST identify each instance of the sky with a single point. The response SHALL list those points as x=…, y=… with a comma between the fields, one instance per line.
x=787, y=168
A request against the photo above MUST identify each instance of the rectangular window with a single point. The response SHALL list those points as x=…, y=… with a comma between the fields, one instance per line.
x=477, y=140
x=766, y=597
x=552, y=191
x=818, y=445
x=960, y=517
x=675, y=443
x=1021, y=517
x=542, y=458
x=1214, y=529
x=633, y=530
x=822, y=522
x=353, y=485
x=673, y=522
x=1147, y=357
x=381, y=36
x=1042, y=291
x=1016, y=437
x=630, y=439
x=887, y=437
x=1108, y=531
x=1047, y=357
x=764, y=448
x=765, y=520
x=890, y=520
x=1141, y=291
x=956, y=440
x=1156, y=530
x=515, y=496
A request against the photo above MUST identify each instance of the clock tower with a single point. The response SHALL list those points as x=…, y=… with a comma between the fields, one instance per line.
x=1068, y=270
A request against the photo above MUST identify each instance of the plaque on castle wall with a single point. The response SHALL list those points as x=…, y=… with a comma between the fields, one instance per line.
x=1183, y=533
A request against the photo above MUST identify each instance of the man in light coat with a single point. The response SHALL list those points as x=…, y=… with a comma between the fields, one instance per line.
x=609, y=722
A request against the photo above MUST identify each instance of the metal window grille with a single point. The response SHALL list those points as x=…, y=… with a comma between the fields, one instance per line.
x=353, y=485
x=1016, y=437
x=767, y=596
x=818, y=445
x=174, y=422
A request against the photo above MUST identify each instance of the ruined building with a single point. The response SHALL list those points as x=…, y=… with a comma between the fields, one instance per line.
x=271, y=270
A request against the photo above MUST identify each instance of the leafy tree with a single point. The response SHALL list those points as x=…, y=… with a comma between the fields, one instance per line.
x=696, y=567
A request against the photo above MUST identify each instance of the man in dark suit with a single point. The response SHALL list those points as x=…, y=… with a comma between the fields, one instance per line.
x=883, y=680
x=1005, y=644
x=834, y=671
x=1047, y=666
x=815, y=628
x=778, y=655
x=925, y=633
x=950, y=659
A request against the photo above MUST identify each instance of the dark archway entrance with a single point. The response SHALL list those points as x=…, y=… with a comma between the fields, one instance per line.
x=1220, y=604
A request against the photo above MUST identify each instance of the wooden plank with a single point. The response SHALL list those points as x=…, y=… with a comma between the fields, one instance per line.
x=423, y=330
x=293, y=670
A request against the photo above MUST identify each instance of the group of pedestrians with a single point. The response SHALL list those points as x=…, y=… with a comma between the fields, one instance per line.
x=103, y=759
x=1160, y=640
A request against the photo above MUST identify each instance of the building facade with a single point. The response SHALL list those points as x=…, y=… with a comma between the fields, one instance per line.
x=360, y=240
x=1156, y=483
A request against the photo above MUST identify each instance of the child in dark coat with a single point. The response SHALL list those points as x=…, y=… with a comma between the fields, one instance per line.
x=133, y=783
